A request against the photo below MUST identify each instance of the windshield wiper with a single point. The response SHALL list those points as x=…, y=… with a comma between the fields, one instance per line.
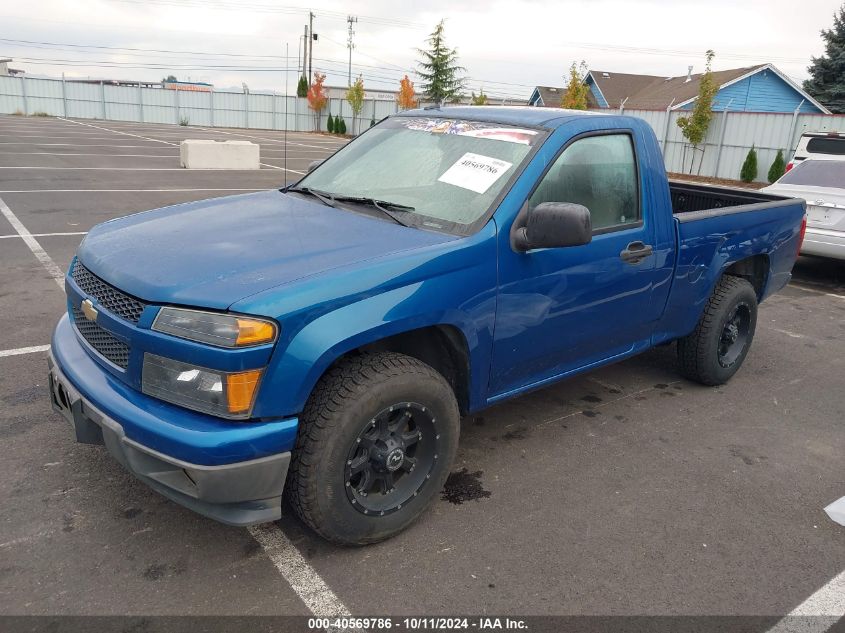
x=380, y=205
x=323, y=196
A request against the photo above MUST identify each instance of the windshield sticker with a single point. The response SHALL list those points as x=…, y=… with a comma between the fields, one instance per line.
x=475, y=129
x=511, y=135
x=475, y=172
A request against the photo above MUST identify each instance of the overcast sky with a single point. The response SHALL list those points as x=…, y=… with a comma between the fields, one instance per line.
x=507, y=47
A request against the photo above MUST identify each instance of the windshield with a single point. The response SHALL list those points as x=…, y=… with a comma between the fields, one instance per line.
x=447, y=171
x=816, y=173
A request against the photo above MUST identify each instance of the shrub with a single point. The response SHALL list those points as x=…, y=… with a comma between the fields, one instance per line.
x=372, y=122
x=18, y=113
x=749, y=168
x=778, y=167
x=342, y=128
x=184, y=121
x=39, y=113
x=330, y=124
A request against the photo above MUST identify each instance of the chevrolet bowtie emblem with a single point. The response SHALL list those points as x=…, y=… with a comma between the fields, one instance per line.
x=89, y=310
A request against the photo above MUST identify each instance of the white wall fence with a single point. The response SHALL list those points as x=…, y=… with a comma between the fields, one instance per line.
x=730, y=136
x=56, y=97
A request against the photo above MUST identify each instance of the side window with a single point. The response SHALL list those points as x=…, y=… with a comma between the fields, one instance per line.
x=599, y=172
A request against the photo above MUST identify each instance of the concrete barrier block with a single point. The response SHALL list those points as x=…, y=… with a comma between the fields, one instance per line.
x=205, y=154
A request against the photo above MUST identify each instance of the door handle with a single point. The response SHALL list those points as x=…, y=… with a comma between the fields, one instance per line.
x=635, y=252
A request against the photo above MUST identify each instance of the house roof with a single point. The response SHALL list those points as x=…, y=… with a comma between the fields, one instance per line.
x=552, y=96
x=653, y=92
x=650, y=92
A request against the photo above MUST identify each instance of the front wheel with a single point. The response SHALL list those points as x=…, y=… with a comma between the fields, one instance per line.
x=376, y=441
x=714, y=351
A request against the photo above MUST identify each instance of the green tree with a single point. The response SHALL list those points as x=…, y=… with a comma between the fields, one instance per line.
x=169, y=78
x=778, y=167
x=342, y=126
x=479, y=99
x=748, y=173
x=694, y=127
x=575, y=96
x=827, y=73
x=439, y=69
x=330, y=124
x=355, y=97
x=302, y=87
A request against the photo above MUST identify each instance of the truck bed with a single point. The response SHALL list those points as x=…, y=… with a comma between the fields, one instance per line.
x=707, y=200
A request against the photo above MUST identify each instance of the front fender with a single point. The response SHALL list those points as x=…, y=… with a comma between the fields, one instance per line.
x=462, y=297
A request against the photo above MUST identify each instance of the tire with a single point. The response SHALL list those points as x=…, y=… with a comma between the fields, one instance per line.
x=715, y=350
x=340, y=478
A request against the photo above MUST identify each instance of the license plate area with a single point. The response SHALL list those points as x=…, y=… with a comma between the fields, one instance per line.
x=827, y=217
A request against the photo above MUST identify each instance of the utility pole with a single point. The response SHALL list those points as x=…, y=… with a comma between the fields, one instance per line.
x=352, y=20
x=305, y=53
x=311, y=38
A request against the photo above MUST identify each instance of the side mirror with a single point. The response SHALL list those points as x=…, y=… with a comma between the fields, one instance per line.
x=314, y=164
x=552, y=225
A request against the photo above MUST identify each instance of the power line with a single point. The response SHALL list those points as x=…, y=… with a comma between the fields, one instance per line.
x=265, y=8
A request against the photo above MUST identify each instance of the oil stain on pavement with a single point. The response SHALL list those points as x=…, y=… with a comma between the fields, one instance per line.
x=464, y=486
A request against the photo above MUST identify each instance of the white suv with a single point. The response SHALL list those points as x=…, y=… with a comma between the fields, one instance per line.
x=819, y=146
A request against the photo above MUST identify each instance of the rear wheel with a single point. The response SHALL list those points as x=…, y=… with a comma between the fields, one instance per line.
x=715, y=350
x=376, y=441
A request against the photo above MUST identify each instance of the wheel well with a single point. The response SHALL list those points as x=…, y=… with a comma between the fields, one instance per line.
x=755, y=269
x=442, y=347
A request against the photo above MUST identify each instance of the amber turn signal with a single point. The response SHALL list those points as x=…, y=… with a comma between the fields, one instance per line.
x=254, y=332
x=240, y=390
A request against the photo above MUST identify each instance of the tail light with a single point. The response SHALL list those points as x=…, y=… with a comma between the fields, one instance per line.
x=801, y=233
x=790, y=165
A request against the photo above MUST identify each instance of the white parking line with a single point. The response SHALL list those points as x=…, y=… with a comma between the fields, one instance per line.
x=273, y=140
x=23, y=350
x=182, y=169
x=120, y=190
x=293, y=171
x=147, y=138
x=42, y=256
x=61, y=136
x=815, y=290
x=88, y=154
x=105, y=129
x=6, y=237
x=79, y=144
x=302, y=578
x=824, y=608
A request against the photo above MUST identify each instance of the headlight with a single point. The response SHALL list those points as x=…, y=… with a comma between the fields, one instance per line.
x=222, y=330
x=227, y=395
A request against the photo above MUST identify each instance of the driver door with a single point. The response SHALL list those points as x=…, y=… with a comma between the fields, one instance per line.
x=562, y=309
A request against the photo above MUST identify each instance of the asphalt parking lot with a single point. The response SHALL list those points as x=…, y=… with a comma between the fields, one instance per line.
x=628, y=491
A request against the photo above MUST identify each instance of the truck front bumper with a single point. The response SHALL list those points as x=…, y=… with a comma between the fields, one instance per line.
x=236, y=493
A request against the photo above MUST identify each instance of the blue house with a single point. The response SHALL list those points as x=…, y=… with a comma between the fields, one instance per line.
x=761, y=88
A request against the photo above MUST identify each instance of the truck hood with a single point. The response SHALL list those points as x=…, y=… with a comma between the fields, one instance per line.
x=213, y=253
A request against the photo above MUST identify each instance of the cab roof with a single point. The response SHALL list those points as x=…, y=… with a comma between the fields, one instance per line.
x=505, y=115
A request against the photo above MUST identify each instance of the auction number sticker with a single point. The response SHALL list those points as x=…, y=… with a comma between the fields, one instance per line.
x=475, y=172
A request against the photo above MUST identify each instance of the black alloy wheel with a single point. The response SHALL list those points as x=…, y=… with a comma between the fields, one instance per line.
x=392, y=459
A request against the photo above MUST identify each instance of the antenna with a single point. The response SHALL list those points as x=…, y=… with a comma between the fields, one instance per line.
x=285, y=159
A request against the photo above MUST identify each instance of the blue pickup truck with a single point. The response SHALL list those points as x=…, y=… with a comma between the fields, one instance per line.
x=322, y=341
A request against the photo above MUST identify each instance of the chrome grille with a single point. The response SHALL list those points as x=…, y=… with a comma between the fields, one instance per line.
x=108, y=297
x=101, y=340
